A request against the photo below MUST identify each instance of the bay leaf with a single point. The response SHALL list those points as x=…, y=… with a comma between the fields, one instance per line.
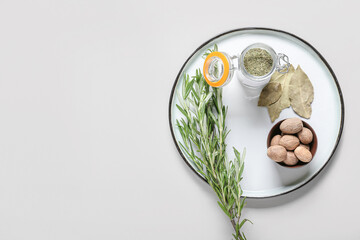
x=284, y=101
x=301, y=93
x=276, y=77
x=270, y=94
x=274, y=111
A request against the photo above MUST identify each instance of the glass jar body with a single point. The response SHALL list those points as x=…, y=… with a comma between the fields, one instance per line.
x=252, y=81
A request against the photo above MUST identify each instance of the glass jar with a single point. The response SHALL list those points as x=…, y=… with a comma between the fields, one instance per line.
x=219, y=69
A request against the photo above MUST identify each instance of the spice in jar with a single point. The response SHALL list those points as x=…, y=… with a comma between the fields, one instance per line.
x=258, y=62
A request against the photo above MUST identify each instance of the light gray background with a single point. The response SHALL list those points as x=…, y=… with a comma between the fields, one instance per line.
x=85, y=145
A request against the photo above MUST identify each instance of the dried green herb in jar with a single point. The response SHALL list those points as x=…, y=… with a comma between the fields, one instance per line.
x=258, y=62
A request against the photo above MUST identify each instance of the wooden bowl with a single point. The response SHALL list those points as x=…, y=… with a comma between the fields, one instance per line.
x=275, y=130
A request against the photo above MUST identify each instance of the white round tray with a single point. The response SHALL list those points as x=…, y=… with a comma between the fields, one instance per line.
x=250, y=124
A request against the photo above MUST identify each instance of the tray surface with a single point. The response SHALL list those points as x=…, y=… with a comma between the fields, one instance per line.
x=250, y=124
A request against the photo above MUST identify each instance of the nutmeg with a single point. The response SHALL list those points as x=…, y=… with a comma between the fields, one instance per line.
x=290, y=142
x=291, y=159
x=275, y=140
x=291, y=125
x=277, y=153
x=305, y=135
x=307, y=146
x=303, y=154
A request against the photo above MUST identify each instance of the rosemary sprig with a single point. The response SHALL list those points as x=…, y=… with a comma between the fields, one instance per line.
x=203, y=131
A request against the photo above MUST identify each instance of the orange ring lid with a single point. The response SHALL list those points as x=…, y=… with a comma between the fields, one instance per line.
x=207, y=63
